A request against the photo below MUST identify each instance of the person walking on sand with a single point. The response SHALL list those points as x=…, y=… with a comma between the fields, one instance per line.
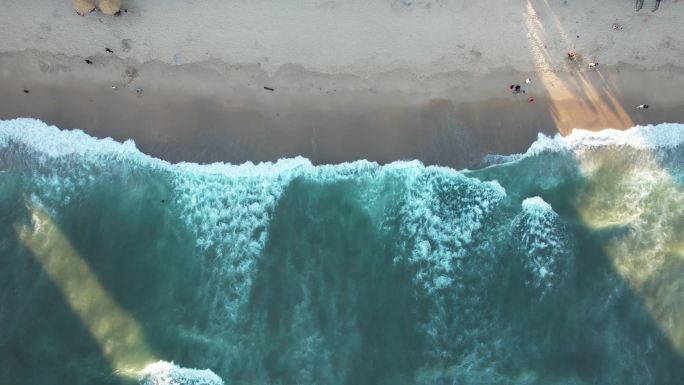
x=642, y=106
x=108, y=7
x=657, y=5
x=640, y=4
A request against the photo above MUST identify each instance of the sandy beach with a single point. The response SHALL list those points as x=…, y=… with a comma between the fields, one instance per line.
x=382, y=80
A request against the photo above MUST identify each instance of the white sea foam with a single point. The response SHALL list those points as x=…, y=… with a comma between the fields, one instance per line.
x=229, y=207
x=540, y=241
x=168, y=373
x=439, y=217
x=537, y=205
x=665, y=135
x=442, y=216
x=52, y=142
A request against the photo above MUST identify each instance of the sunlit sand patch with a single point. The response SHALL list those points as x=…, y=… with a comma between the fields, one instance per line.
x=115, y=330
x=578, y=105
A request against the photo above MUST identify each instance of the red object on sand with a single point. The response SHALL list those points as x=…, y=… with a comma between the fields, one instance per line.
x=531, y=100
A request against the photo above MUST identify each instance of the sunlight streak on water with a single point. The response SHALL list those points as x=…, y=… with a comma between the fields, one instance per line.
x=116, y=331
x=642, y=207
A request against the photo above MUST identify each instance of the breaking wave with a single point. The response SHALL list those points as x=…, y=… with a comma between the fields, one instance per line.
x=554, y=266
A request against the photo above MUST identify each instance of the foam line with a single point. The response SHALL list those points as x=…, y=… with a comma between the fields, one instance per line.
x=664, y=135
x=168, y=373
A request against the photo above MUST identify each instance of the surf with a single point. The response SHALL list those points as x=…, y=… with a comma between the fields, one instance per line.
x=556, y=265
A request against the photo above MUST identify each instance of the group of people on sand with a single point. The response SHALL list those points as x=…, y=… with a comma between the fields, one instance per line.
x=517, y=88
x=108, y=7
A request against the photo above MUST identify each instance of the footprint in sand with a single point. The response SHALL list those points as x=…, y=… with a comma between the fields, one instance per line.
x=126, y=45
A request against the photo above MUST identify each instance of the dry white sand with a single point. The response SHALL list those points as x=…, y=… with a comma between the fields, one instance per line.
x=361, y=37
x=371, y=69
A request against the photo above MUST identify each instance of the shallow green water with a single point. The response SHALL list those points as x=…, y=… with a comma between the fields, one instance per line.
x=563, y=266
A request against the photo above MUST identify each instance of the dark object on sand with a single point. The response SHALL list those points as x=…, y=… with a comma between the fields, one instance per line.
x=642, y=106
x=88, y=61
x=639, y=5
x=517, y=88
x=163, y=200
x=26, y=91
x=572, y=56
x=656, y=6
x=269, y=89
x=108, y=50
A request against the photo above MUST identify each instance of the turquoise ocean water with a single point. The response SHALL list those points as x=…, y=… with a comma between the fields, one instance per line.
x=563, y=265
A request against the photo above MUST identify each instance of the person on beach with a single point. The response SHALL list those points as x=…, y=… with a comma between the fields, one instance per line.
x=640, y=4
x=108, y=7
x=657, y=5
x=642, y=106
x=593, y=65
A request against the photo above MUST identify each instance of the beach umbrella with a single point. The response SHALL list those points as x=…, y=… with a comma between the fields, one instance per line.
x=84, y=7
x=110, y=7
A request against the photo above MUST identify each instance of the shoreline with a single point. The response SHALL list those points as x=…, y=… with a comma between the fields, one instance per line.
x=381, y=80
x=211, y=111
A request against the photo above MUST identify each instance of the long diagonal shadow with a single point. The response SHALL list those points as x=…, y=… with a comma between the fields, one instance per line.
x=625, y=322
x=597, y=102
x=328, y=294
x=577, y=100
